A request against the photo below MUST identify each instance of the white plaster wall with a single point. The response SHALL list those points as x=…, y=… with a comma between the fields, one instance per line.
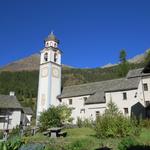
x=55, y=85
x=43, y=88
x=117, y=98
x=77, y=105
x=15, y=120
x=92, y=108
x=146, y=94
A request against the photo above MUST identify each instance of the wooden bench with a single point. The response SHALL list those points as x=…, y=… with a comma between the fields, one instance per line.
x=62, y=133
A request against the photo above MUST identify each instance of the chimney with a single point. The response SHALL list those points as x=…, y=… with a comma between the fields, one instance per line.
x=11, y=93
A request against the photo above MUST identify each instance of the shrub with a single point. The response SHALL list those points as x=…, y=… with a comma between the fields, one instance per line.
x=54, y=117
x=27, y=131
x=79, y=122
x=14, y=143
x=145, y=123
x=126, y=143
x=113, y=124
x=15, y=132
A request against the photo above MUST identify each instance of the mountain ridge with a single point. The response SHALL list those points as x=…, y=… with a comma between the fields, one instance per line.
x=32, y=63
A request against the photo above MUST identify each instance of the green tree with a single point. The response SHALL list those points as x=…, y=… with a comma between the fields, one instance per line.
x=113, y=124
x=123, y=56
x=123, y=67
x=112, y=109
x=55, y=116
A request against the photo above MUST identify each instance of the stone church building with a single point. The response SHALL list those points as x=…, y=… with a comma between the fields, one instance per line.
x=131, y=94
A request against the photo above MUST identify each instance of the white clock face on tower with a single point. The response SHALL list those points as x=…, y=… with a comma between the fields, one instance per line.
x=45, y=72
x=55, y=72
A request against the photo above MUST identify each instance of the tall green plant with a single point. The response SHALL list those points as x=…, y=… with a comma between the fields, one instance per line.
x=55, y=116
x=113, y=124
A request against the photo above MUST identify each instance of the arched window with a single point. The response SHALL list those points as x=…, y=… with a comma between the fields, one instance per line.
x=46, y=56
x=55, y=45
x=55, y=57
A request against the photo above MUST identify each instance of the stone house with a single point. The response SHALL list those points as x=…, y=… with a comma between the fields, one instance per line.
x=131, y=94
x=10, y=112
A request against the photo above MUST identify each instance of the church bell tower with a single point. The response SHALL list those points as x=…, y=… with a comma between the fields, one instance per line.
x=49, y=75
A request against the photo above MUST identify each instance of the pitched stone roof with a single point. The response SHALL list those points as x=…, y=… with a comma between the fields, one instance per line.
x=27, y=110
x=7, y=101
x=137, y=73
x=97, y=89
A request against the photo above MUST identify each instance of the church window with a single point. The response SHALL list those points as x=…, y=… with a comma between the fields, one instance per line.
x=46, y=56
x=124, y=96
x=47, y=43
x=55, y=57
x=126, y=111
x=145, y=86
x=70, y=101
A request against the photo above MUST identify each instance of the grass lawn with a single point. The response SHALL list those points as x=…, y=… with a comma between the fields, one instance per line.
x=87, y=137
x=144, y=137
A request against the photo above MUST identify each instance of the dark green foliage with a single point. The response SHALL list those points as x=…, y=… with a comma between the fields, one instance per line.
x=126, y=143
x=147, y=57
x=15, y=132
x=54, y=117
x=27, y=131
x=14, y=143
x=124, y=66
x=24, y=84
x=123, y=56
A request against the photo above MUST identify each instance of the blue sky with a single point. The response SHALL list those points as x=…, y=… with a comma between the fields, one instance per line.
x=91, y=32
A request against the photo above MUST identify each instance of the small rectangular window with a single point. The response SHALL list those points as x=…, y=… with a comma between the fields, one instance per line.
x=97, y=113
x=85, y=98
x=70, y=101
x=124, y=96
x=145, y=86
x=126, y=111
